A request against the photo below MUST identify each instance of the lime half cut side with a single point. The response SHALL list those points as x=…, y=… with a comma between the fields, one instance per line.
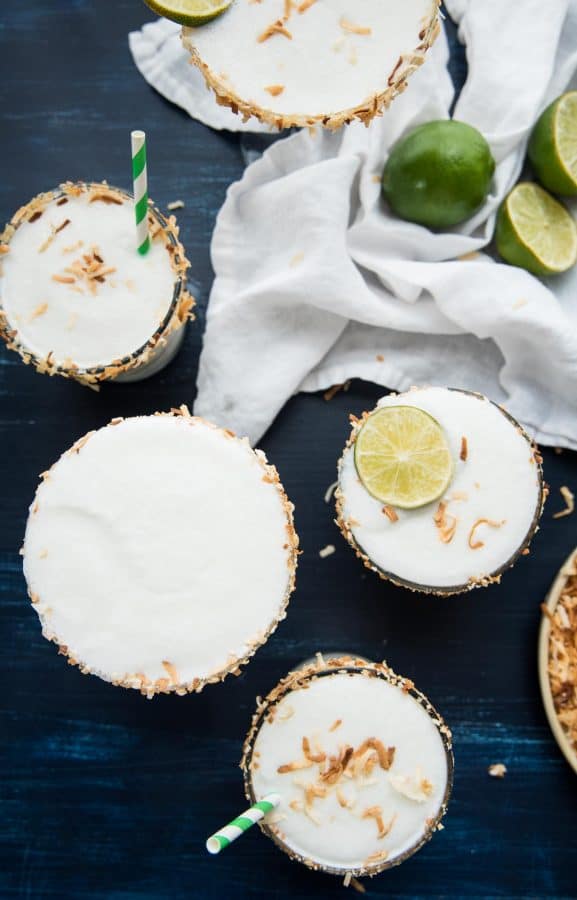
x=402, y=457
x=189, y=12
x=553, y=146
x=536, y=232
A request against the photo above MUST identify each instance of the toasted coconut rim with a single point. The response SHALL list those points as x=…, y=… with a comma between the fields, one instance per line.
x=320, y=668
x=474, y=582
x=164, y=685
x=372, y=106
x=179, y=311
x=545, y=647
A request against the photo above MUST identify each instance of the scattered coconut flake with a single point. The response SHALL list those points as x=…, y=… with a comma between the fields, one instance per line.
x=275, y=89
x=464, y=449
x=175, y=204
x=332, y=391
x=497, y=770
x=569, y=498
x=327, y=551
x=390, y=513
x=330, y=491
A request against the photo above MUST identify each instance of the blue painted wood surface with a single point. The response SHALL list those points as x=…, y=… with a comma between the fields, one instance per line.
x=106, y=795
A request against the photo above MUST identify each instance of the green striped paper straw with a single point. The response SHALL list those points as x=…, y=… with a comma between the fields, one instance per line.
x=140, y=179
x=234, y=829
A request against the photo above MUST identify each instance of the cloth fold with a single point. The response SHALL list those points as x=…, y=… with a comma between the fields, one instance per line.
x=317, y=282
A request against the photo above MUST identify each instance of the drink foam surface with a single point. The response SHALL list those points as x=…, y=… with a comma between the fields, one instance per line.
x=339, y=53
x=366, y=707
x=80, y=319
x=499, y=481
x=161, y=541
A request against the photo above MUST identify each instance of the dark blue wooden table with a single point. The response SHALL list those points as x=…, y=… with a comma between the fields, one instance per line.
x=106, y=795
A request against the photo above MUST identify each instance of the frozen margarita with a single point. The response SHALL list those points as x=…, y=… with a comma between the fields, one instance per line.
x=76, y=299
x=306, y=62
x=361, y=760
x=439, y=490
x=160, y=552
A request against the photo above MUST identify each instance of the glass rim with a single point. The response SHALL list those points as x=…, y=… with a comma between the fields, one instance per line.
x=495, y=576
x=346, y=665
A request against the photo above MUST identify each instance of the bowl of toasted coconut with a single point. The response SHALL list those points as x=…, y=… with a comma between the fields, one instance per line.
x=558, y=658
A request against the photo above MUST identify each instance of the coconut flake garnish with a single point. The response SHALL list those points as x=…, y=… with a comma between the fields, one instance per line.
x=353, y=28
x=277, y=27
x=445, y=523
x=476, y=544
x=415, y=787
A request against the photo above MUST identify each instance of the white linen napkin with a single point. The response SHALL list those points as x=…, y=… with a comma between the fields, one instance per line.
x=317, y=282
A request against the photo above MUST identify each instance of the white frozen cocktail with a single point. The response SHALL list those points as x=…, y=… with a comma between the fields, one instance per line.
x=77, y=299
x=362, y=763
x=160, y=553
x=308, y=62
x=439, y=490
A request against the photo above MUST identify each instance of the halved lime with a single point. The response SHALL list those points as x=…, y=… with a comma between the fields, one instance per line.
x=553, y=146
x=402, y=457
x=535, y=231
x=189, y=12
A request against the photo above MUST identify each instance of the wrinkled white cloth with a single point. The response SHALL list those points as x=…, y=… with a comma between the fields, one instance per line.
x=317, y=282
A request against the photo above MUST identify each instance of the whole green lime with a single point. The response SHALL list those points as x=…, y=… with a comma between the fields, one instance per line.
x=439, y=174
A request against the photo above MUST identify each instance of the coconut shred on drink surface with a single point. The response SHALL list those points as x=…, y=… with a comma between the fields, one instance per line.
x=308, y=59
x=386, y=797
x=487, y=514
x=160, y=552
x=74, y=286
